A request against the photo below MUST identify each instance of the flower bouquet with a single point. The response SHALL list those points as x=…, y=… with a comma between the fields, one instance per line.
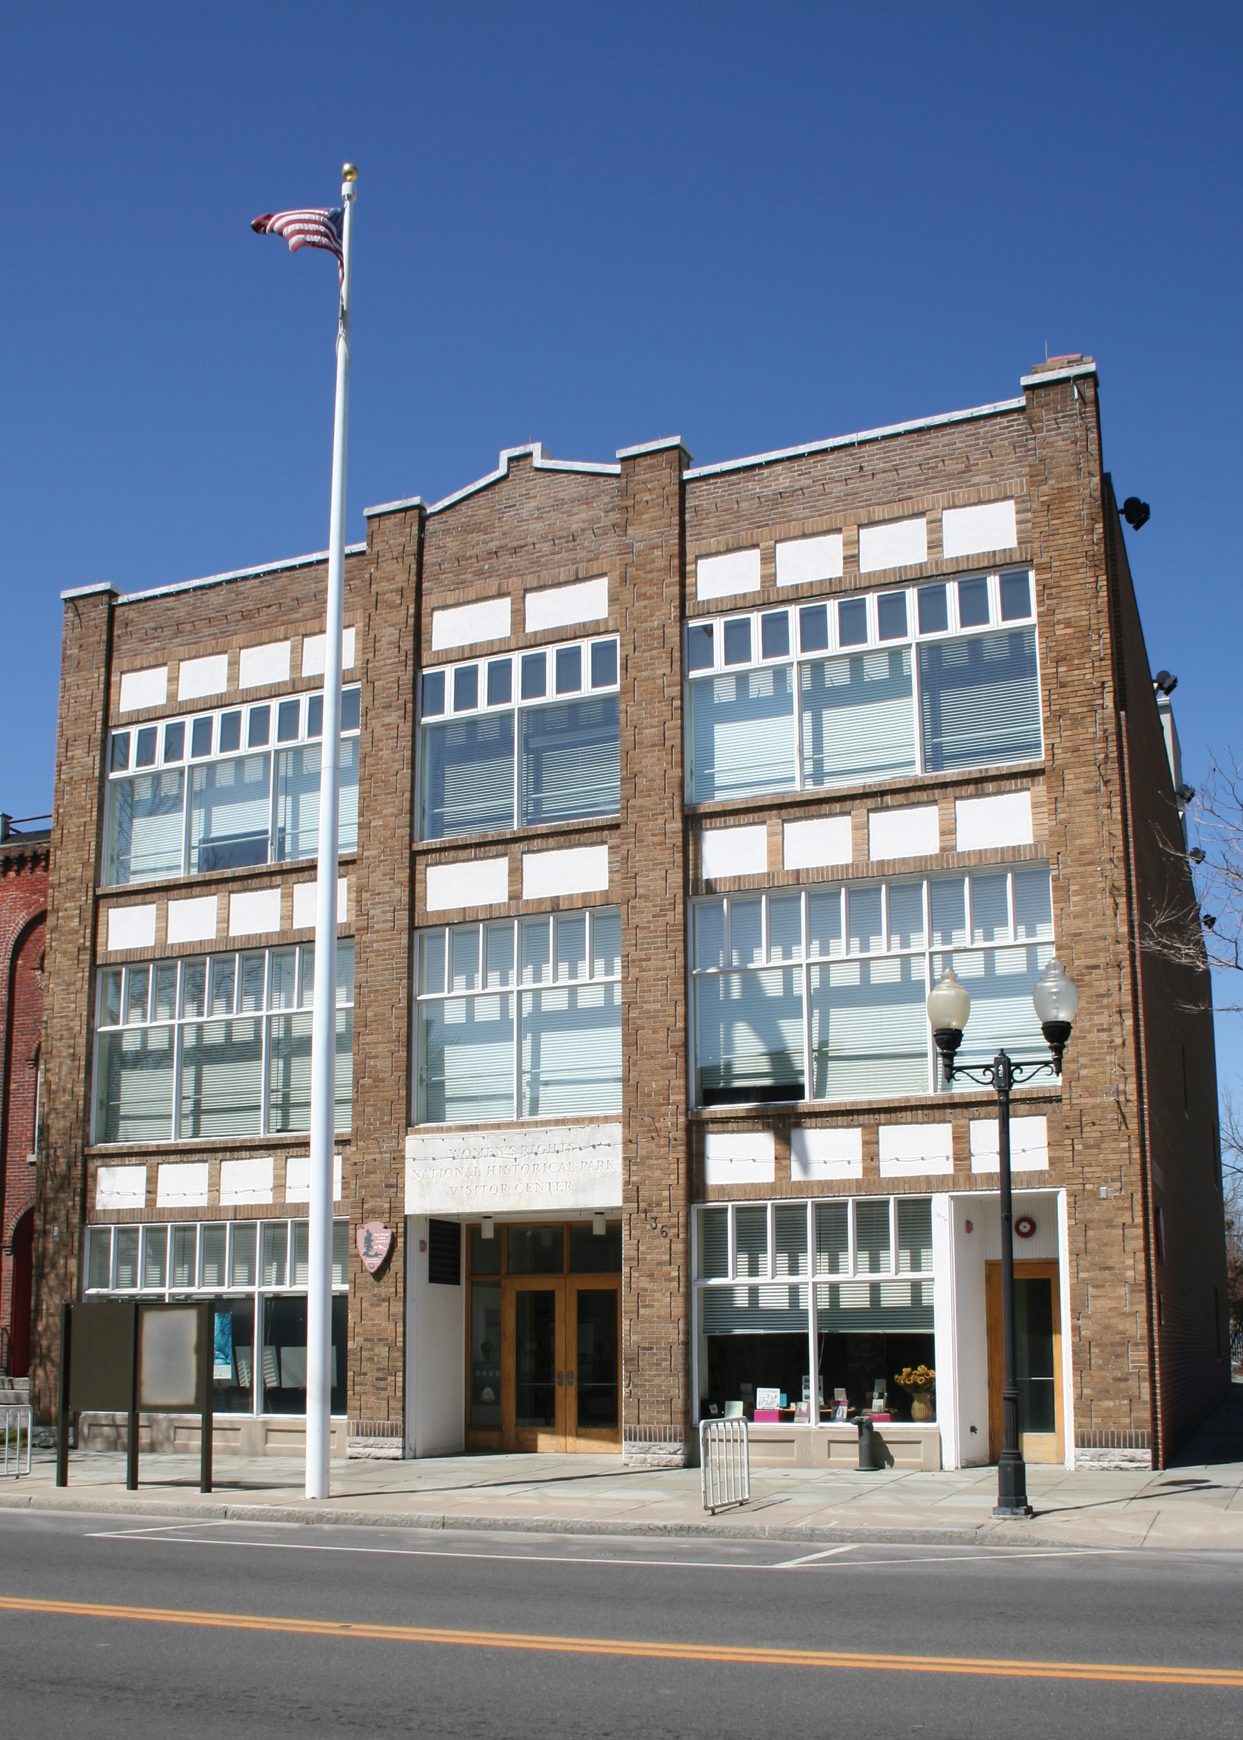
x=921, y=1381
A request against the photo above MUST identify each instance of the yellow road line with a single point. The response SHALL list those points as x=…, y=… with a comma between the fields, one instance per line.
x=1130, y=1673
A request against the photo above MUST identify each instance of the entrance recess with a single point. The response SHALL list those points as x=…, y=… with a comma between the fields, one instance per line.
x=1038, y=1361
x=545, y=1338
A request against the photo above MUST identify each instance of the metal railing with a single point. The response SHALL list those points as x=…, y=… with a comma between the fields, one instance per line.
x=724, y=1463
x=17, y=1421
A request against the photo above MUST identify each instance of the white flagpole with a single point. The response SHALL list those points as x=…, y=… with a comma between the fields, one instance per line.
x=324, y=1003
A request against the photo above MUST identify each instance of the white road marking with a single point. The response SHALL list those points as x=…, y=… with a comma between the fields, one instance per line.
x=159, y=1537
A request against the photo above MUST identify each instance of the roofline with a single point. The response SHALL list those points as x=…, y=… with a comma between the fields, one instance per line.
x=292, y=563
x=882, y=434
x=533, y=450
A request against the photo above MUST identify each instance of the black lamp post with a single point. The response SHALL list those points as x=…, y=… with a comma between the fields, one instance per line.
x=1056, y=1001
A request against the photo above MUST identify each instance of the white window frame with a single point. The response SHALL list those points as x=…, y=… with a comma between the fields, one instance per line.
x=438, y=705
x=934, y=956
x=266, y=1013
x=514, y=986
x=167, y=746
x=749, y=624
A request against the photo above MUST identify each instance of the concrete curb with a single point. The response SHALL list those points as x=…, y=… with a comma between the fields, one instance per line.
x=988, y=1532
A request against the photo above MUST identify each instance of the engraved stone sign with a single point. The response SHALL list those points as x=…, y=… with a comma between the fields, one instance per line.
x=545, y=1170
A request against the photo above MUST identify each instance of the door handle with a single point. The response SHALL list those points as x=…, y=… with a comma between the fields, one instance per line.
x=560, y=1378
x=569, y=1380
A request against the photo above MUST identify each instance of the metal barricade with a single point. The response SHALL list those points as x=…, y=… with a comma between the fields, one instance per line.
x=16, y=1429
x=724, y=1463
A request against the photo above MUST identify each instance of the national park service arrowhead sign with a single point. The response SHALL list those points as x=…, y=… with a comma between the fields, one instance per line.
x=375, y=1241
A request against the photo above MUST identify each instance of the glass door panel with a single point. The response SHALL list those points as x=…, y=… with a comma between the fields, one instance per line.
x=1038, y=1359
x=533, y=1364
x=592, y=1383
x=1033, y=1338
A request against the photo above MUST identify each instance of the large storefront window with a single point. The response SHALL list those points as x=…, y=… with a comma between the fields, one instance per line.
x=255, y=1274
x=225, y=790
x=818, y=993
x=813, y=1307
x=215, y=1045
x=519, y=739
x=840, y=693
x=519, y=1018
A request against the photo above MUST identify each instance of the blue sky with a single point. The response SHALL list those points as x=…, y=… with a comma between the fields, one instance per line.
x=750, y=225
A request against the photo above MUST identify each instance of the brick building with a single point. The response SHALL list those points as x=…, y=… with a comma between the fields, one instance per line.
x=667, y=793
x=23, y=923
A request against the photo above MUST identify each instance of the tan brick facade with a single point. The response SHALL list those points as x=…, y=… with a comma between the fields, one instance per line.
x=1131, y=1126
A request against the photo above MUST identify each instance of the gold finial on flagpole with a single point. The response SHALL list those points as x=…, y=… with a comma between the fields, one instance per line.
x=349, y=172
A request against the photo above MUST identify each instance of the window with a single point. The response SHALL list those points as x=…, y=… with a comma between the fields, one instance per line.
x=823, y=1301
x=913, y=681
x=225, y=790
x=255, y=1273
x=519, y=740
x=818, y=993
x=214, y=1045
x=519, y=1018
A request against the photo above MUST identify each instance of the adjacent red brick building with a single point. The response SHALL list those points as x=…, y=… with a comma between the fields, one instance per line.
x=23, y=925
x=668, y=792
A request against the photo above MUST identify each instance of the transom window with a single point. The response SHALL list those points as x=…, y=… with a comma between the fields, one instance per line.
x=225, y=790
x=519, y=739
x=848, y=690
x=519, y=1018
x=255, y=1274
x=818, y=993
x=214, y=1045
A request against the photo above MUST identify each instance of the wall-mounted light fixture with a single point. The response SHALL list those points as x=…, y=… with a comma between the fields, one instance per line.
x=599, y=1225
x=1184, y=793
x=1165, y=682
x=1135, y=512
x=487, y=1227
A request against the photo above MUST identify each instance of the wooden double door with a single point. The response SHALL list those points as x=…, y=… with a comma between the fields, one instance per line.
x=560, y=1362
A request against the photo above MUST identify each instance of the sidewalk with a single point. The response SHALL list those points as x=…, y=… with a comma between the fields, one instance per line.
x=1194, y=1507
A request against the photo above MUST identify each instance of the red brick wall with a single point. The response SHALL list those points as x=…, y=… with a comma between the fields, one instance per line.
x=23, y=924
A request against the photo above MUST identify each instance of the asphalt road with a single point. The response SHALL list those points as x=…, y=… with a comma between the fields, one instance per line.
x=116, y=1627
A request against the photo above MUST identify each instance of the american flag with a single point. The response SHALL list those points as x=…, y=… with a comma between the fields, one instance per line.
x=314, y=228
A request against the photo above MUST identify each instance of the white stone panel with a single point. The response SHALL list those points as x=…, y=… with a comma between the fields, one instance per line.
x=304, y=903
x=467, y=882
x=802, y=560
x=579, y=870
x=733, y=851
x=197, y=678
x=298, y=1178
x=739, y=1157
x=903, y=833
x=1029, y=1145
x=255, y=912
x=121, y=1187
x=560, y=606
x=315, y=649
x=915, y=1150
x=722, y=576
x=193, y=920
x=816, y=844
x=897, y=544
x=970, y=531
x=825, y=1153
x=131, y=927
x=182, y=1184
x=1003, y=820
x=248, y=1180
x=543, y=1171
x=464, y=624
x=143, y=689
x=258, y=665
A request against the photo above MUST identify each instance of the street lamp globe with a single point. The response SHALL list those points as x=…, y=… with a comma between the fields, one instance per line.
x=1056, y=1001
x=948, y=1006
